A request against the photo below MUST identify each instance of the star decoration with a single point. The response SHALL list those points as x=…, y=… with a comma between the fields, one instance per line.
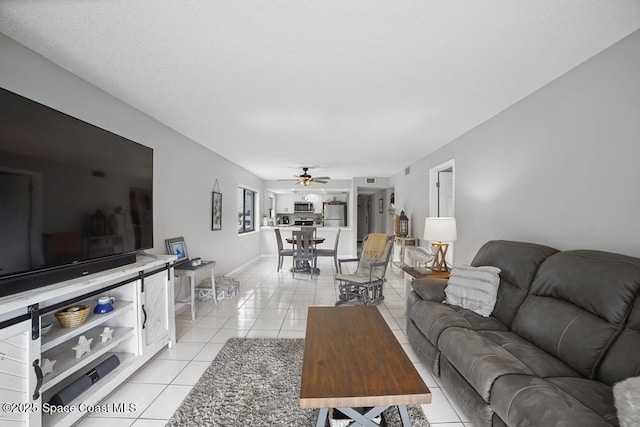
x=106, y=334
x=47, y=366
x=84, y=346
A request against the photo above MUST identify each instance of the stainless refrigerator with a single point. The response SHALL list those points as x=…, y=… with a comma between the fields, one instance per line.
x=335, y=214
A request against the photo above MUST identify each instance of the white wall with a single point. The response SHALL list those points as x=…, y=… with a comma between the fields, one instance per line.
x=561, y=167
x=184, y=172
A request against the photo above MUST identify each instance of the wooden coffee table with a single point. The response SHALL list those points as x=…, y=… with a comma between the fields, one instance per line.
x=353, y=360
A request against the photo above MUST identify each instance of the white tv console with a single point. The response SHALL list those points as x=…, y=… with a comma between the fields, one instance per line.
x=141, y=324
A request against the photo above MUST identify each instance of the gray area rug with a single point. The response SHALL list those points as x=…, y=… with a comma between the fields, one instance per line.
x=256, y=382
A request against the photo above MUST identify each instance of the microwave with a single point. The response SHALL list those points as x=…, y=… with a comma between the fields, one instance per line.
x=302, y=207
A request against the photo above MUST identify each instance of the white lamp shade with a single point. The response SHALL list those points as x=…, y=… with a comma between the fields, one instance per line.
x=440, y=229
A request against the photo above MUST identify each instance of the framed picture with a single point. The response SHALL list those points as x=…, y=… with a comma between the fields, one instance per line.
x=380, y=205
x=177, y=246
x=216, y=211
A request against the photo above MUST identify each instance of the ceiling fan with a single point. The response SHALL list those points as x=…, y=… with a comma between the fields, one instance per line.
x=305, y=179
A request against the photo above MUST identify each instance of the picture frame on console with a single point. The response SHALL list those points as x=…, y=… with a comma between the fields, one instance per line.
x=178, y=247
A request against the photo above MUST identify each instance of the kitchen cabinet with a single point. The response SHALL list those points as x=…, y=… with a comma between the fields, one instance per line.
x=316, y=199
x=284, y=203
x=338, y=197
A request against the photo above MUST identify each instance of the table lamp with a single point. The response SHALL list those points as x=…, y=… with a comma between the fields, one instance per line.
x=438, y=230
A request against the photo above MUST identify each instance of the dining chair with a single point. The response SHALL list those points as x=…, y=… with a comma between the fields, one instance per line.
x=303, y=251
x=314, y=230
x=331, y=252
x=366, y=284
x=282, y=252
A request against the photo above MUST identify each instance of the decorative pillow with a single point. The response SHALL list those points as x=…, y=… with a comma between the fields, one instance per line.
x=625, y=395
x=473, y=288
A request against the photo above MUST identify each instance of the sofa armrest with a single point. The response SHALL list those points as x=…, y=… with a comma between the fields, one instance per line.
x=430, y=288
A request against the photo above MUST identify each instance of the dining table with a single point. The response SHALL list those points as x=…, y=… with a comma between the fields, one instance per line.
x=305, y=267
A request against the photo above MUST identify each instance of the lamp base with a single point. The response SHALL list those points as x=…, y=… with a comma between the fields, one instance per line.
x=440, y=252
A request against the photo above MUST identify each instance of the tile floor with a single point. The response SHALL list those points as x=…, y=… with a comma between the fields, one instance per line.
x=269, y=304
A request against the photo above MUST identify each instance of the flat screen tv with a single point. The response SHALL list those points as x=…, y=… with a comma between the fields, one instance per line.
x=75, y=199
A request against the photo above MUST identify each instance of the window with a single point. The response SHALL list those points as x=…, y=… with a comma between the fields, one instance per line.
x=246, y=205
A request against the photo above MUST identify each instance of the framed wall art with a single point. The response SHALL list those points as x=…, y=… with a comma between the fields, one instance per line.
x=216, y=211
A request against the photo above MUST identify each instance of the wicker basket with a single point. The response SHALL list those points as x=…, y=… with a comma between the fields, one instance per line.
x=69, y=319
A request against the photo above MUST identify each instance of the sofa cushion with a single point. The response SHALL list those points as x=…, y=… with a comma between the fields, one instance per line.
x=483, y=356
x=474, y=407
x=473, y=288
x=428, y=353
x=593, y=394
x=541, y=363
x=578, y=305
x=433, y=317
x=518, y=263
x=623, y=358
x=524, y=400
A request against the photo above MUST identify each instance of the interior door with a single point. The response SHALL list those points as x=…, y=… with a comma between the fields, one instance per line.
x=445, y=193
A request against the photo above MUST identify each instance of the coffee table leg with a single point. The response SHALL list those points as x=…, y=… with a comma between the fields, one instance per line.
x=404, y=415
x=322, y=417
x=365, y=420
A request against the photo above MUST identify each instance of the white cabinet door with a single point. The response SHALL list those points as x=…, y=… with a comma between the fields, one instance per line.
x=155, y=310
x=284, y=203
x=20, y=376
x=316, y=199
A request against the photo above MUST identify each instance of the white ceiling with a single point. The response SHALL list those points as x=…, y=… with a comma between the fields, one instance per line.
x=356, y=88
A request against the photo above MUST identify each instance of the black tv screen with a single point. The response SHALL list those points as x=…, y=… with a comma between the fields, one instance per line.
x=71, y=194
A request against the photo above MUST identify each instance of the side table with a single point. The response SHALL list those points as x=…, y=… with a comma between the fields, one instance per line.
x=190, y=271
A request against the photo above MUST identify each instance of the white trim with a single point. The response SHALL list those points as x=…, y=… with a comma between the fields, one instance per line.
x=243, y=266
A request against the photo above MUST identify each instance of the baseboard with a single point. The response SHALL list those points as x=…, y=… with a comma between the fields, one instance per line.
x=243, y=266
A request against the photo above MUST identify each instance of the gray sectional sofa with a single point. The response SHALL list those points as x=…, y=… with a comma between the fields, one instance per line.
x=564, y=330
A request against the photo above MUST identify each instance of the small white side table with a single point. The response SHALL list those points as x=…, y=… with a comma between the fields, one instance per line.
x=188, y=270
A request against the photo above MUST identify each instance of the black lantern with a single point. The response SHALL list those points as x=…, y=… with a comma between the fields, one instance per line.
x=403, y=225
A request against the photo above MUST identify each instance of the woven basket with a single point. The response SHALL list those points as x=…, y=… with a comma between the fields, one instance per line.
x=69, y=319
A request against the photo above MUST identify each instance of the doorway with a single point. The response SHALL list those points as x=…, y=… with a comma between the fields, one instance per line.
x=363, y=218
x=442, y=195
x=442, y=190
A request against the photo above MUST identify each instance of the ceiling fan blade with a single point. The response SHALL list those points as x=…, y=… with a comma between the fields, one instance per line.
x=290, y=180
x=321, y=177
